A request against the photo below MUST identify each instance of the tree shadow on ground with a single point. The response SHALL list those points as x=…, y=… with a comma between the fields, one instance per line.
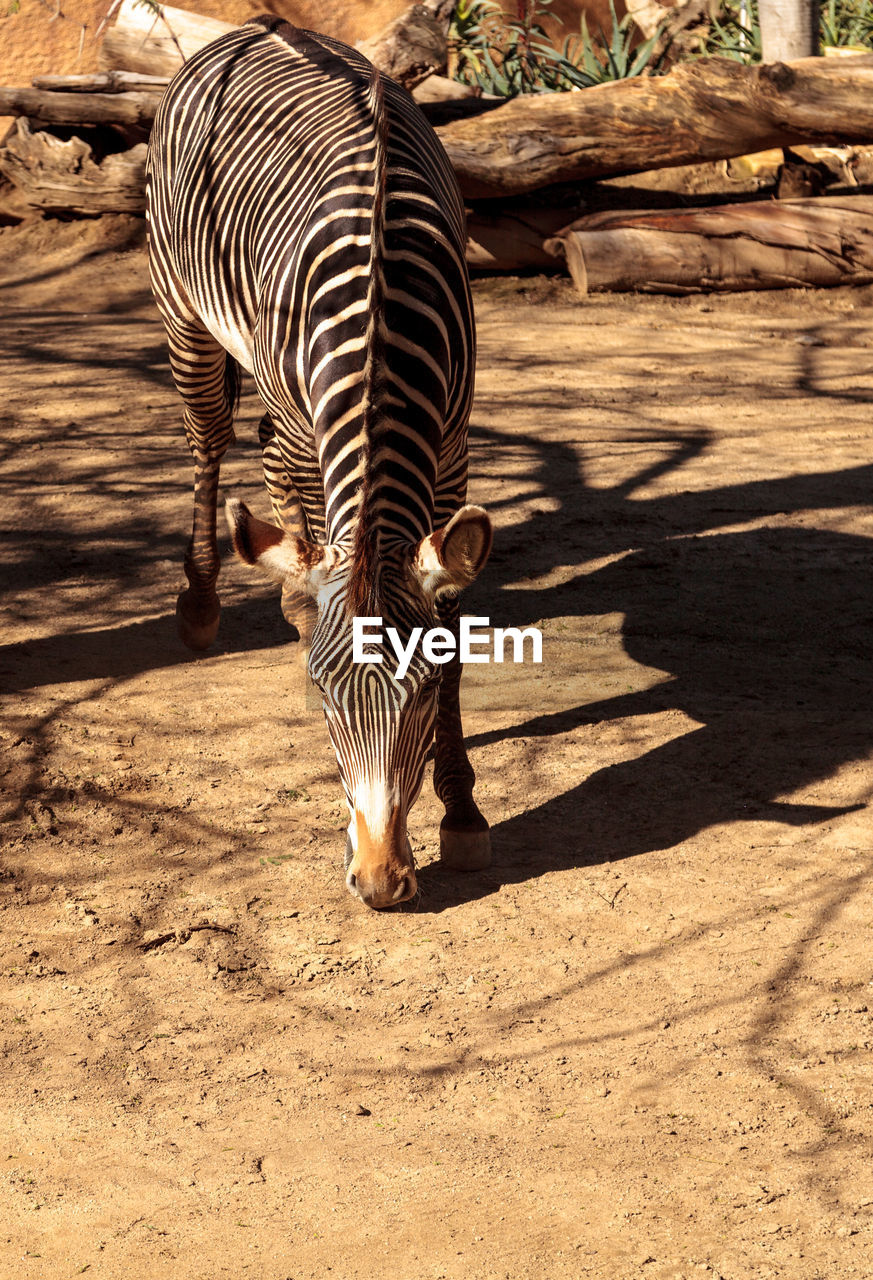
x=763, y=631
x=122, y=652
x=765, y=634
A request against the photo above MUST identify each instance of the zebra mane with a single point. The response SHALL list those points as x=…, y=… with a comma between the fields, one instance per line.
x=365, y=560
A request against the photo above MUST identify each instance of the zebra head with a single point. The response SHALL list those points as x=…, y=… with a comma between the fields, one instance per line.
x=380, y=725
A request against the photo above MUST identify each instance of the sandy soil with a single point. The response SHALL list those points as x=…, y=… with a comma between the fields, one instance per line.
x=638, y=1047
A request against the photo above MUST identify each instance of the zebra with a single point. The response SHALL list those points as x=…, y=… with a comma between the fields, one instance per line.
x=305, y=225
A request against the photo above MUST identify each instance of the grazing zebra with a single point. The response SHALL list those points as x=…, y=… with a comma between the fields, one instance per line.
x=305, y=224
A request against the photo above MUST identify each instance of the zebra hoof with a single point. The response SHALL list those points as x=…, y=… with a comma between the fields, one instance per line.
x=465, y=850
x=197, y=627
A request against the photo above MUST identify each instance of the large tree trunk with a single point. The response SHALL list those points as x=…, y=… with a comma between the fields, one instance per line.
x=760, y=245
x=705, y=110
x=789, y=29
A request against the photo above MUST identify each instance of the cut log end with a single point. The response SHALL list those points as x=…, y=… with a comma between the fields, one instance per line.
x=817, y=243
x=411, y=48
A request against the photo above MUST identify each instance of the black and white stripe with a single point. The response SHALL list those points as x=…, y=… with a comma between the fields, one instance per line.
x=305, y=224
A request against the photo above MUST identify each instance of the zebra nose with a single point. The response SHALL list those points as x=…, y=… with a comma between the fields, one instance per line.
x=380, y=892
x=405, y=889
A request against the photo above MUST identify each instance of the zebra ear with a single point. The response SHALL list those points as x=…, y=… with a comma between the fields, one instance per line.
x=278, y=554
x=452, y=557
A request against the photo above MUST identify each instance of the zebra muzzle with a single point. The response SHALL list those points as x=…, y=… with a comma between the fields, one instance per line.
x=382, y=870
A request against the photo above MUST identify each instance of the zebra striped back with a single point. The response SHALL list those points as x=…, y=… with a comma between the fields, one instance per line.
x=319, y=235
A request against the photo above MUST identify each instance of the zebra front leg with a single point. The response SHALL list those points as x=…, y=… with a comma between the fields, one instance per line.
x=465, y=838
x=299, y=610
x=207, y=383
x=198, y=607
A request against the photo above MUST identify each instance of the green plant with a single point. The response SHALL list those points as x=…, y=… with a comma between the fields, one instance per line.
x=509, y=57
x=736, y=33
x=847, y=22
x=496, y=55
x=586, y=60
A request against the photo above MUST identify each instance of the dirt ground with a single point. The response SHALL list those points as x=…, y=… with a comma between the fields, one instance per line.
x=639, y=1046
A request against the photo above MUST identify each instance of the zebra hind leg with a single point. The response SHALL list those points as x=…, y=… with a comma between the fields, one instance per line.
x=208, y=382
x=299, y=609
x=465, y=837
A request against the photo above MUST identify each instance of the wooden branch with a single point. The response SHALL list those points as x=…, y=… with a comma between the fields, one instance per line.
x=103, y=82
x=705, y=110
x=152, y=941
x=63, y=176
x=765, y=244
x=127, y=109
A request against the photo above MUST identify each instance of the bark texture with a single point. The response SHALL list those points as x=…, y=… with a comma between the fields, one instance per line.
x=139, y=41
x=63, y=176
x=789, y=29
x=512, y=239
x=125, y=109
x=760, y=245
x=411, y=48
x=705, y=110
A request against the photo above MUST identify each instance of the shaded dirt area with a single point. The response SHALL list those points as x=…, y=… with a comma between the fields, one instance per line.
x=638, y=1047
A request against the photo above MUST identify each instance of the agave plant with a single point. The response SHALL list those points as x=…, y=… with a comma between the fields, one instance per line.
x=509, y=57
x=587, y=60
x=734, y=33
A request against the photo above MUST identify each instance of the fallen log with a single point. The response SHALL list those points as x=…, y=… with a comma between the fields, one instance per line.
x=157, y=45
x=764, y=244
x=711, y=109
x=60, y=176
x=64, y=177
x=46, y=107
x=66, y=104
x=712, y=182
x=440, y=89
x=409, y=49
x=512, y=239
